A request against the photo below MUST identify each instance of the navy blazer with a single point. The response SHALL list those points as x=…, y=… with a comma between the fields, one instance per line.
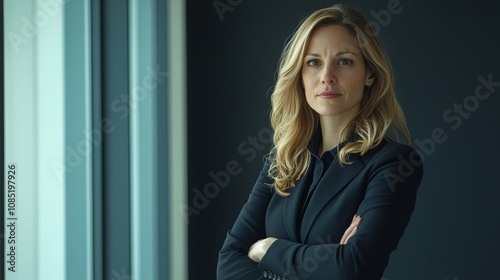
x=380, y=186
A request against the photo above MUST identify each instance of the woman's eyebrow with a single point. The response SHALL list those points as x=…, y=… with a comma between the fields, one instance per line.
x=337, y=54
x=348, y=52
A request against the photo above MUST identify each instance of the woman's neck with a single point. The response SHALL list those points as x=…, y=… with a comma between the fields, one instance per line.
x=331, y=127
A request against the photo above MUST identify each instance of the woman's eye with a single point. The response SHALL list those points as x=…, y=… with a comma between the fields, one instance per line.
x=313, y=62
x=345, y=61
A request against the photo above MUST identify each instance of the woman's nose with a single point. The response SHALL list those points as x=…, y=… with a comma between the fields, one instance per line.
x=328, y=77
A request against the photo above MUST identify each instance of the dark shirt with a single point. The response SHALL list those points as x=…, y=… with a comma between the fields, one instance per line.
x=317, y=168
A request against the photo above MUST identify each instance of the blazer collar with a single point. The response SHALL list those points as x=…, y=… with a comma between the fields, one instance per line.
x=317, y=138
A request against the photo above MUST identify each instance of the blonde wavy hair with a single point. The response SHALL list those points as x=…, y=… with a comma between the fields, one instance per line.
x=294, y=122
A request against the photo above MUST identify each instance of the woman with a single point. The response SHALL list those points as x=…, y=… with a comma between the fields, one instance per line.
x=335, y=194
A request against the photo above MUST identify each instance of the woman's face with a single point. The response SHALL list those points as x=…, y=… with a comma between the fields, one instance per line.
x=334, y=72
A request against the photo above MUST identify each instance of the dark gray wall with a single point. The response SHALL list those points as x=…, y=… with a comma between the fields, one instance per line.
x=441, y=54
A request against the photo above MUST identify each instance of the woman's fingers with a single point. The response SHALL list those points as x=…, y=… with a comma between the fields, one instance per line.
x=351, y=230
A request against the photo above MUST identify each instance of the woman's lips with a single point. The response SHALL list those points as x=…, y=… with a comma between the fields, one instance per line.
x=329, y=94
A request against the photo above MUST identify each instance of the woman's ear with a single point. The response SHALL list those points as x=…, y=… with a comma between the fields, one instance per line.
x=370, y=79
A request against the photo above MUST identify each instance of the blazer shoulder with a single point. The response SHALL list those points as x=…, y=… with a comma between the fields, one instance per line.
x=389, y=150
x=399, y=164
x=392, y=147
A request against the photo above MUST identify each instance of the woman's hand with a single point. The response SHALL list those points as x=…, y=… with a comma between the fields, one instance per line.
x=259, y=249
x=351, y=230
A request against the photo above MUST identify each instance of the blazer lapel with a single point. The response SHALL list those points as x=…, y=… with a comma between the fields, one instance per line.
x=293, y=206
x=339, y=176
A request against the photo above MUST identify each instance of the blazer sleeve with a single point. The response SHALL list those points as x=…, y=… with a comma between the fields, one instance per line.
x=249, y=227
x=389, y=200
